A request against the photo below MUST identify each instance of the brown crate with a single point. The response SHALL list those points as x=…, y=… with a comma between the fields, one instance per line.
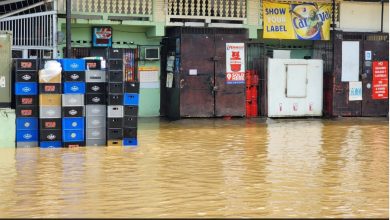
x=114, y=143
x=50, y=99
x=56, y=79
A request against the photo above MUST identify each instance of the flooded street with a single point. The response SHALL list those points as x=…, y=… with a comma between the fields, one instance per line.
x=209, y=168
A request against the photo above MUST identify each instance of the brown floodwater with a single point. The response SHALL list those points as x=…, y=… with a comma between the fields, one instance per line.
x=209, y=168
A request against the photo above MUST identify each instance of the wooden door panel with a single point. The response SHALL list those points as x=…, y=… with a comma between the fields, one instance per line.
x=196, y=97
x=372, y=107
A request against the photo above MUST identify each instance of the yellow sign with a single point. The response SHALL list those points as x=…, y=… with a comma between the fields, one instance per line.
x=305, y=21
x=148, y=68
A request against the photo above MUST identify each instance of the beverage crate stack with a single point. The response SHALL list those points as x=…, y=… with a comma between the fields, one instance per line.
x=115, y=110
x=131, y=99
x=50, y=109
x=73, y=131
x=26, y=94
x=95, y=104
x=252, y=82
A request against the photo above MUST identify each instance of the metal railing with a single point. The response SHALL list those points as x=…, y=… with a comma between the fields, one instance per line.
x=32, y=31
x=123, y=7
x=209, y=9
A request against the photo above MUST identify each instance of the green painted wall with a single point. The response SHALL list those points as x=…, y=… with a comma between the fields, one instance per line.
x=149, y=92
x=7, y=128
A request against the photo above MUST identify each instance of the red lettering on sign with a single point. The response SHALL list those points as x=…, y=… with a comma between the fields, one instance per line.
x=25, y=64
x=380, y=81
x=91, y=65
x=27, y=101
x=50, y=124
x=26, y=112
x=50, y=88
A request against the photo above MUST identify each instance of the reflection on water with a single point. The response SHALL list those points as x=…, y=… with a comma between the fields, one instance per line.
x=209, y=168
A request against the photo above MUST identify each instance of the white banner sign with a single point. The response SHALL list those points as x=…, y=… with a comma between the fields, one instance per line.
x=235, y=63
x=350, y=61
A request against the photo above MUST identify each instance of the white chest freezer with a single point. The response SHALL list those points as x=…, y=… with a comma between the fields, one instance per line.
x=295, y=87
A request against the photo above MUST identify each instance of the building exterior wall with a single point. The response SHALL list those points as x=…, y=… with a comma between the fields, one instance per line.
x=149, y=105
x=254, y=21
x=363, y=16
x=7, y=128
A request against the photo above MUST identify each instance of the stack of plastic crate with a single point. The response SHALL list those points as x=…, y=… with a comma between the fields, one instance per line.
x=95, y=104
x=26, y=94
x=131, y=98
x=115, y=108
x=73, y=131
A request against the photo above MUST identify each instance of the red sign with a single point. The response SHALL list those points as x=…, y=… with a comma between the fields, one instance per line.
x=235, y=63
x=27, y=101
x=380, y=80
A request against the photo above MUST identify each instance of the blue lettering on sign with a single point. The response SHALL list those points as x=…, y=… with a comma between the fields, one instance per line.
x=276, y=28
x=356, y=92
x=275, y=11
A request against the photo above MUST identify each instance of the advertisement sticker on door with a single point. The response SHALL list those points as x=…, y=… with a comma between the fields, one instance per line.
x=355, y=91
x=380, y=82
x=235, y=63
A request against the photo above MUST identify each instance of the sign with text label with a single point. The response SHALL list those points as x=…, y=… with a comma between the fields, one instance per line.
x=380, y=80
x=235, y=63
x=355, y=91
x=303, y=21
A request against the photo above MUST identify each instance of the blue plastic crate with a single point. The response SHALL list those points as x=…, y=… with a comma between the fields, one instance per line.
x=131, y=99
x=130, y=142
x=73, y=135
x=26, y=123
x=50, y=144
x=72, y=64
x=73, y=123
x=74, y=87
x=26, y=88
x=26, y=135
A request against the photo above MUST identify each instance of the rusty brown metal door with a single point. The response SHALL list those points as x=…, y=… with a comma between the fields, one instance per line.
x=197, y=76
x=229, y=98
x=380, y=52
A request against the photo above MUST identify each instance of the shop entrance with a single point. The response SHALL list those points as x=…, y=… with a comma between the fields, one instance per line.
x=380, y=52
x=377, y=44
x=201, y=77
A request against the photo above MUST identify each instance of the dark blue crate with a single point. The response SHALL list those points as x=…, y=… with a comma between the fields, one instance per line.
x=72, y=64
x=26, y=135
x=130, y=142
x=50, y=144
x=131, y=99
x=73, y=135
x=26, y=123
x=74, y=87
x=27, y=88
x=73, y=123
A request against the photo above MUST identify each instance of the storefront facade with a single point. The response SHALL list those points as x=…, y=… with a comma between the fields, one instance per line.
x=134, y=24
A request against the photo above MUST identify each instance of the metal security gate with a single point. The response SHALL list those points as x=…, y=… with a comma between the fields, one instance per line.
x=199, y=86
x=206, y=94
x=379, y=47
x=33, y=32
x=196, y=91
x=338, y=92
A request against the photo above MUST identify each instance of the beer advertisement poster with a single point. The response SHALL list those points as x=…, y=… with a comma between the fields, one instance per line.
x=305, y=21
x=101, y=36
x=235, y=63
